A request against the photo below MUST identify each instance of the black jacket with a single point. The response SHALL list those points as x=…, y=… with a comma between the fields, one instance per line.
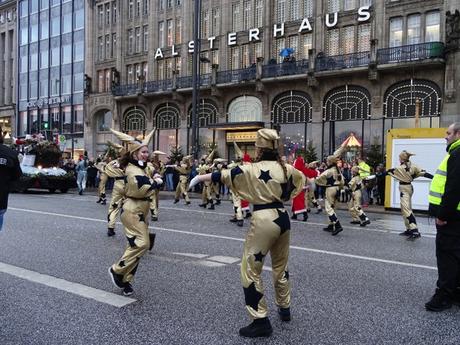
x=9, y=171
x=447, y=211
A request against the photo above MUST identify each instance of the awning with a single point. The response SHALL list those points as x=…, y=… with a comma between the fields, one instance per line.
x=237, y=126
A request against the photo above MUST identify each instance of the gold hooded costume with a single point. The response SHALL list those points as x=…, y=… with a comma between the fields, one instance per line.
x=405, y=173
x=266, y=184
x=138, y=190
x=333, y=181
x=155, y=166
x=204, y=168
x=237, y=209
x=102, y=181
x=184, y=170
x=354, y=205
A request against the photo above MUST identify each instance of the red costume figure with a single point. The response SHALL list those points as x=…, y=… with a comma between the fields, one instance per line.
x=298, y=203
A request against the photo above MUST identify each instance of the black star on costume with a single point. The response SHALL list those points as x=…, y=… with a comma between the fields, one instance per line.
x=235, y=171
x=114, y=205
x=283, y=221
x=252, y=297
x=330, y=181
x=286, y=275
x=358, y=187
x=401, y=194
x=131, y=240
x=141, y=217
x=142, y=180
x=286, y=189
x=407, y=168
x=122, y=263
x=259, y=257
x=411, y=219
x=265, y=176
x=134, y=270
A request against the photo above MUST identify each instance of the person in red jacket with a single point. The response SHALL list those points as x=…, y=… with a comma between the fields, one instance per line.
x=311, y=172
x=298, y=203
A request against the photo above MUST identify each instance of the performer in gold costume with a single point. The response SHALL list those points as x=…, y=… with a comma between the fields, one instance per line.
x=184, y=170
x=405, y=173
x=138, y=190
x=311, y=173
x=205, y=168
x=237, y=208
x=354, y=205
x=155, y=166
x=113, y=170
x=266, y=184
x=102, y=180
x=333, y=181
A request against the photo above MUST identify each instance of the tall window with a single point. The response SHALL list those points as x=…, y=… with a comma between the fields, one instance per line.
x=294, y=10
x=161, y=34
x=108, y=51
x=432, y=27
x=100, y=48
x=413, y=29
x=245, y=56
x=259, y=14
x=137, y=42
x=130, y=41
x=216, y=21
x=205, y=24
x=145, y=7
x=293, y=42
x=236, y=17
x=308, y=8
x=114, y=44
x=234, y=58
x=145, y=37
x=332, y=43
x=169, y=24
x=114, y=12
x=348, y=39
x=130, y=74
x=280, y=11
x=396, y=32
x=364, y=37
x=247, y=8
x=349, y=5
x=107, y=14
x=138, y=8
x=100, y=17
x=279, y=44
x=178, y=28
x=130, y=9
x=306, y=45
x=333, y=6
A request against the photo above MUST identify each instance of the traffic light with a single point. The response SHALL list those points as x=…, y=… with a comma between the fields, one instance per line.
x=45, y=125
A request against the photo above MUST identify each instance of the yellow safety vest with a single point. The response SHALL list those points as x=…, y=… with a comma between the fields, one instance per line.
x=365, y=170
x=438, y=183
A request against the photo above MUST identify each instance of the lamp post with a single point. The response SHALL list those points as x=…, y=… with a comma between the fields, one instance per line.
x=196, y=78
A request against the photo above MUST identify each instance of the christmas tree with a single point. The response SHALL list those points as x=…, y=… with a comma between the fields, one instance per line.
x=374, y=154
x=310, y=153
x=176, y=154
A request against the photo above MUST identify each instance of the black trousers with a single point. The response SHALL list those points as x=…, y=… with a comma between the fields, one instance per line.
x=448, y=257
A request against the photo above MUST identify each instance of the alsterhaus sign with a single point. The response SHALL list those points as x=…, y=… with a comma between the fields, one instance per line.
x=331, y=21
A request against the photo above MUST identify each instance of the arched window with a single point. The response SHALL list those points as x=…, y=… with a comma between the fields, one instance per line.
x=245, y=109
x=134, y=120
x=167, y=116
x=207, y=113
x=347, y=102
x=401, y=99
x=291, y=107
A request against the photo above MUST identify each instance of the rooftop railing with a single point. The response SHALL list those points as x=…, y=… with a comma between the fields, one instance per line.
x=236, y=76
x=285, y=68
x=412, y=52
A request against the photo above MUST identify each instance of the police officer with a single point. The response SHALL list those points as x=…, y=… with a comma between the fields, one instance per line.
x=444, y=201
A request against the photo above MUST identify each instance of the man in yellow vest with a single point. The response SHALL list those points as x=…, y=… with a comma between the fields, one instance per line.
x=444, y=201
x=364, y=172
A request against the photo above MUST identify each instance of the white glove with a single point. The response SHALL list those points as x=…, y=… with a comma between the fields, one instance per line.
x=370, y=177
x=158, y=180
x=194, y=182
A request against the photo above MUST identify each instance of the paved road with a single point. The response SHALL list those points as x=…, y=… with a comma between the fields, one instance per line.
x=365, y=286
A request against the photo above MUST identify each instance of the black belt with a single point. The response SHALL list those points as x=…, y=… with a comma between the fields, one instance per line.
x=183, y=174
x=268, y=206
x=119, y=178
x=139, y=199
x=404, y=183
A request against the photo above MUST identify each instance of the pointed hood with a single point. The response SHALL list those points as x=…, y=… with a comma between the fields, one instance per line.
x=238, y=153
x=134, y=144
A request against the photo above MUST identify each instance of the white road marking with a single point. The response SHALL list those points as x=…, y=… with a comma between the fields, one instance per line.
x=223, y=259
x=365, y=258
x=192, y=255
x=64, y=285
x=207, y=263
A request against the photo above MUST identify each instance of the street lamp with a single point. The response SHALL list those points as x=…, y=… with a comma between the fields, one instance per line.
x=196, y=78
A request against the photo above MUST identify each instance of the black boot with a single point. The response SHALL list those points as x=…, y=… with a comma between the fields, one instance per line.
x=211, y=207
x=176, y=201
x=217, y=201
x=438, y=302
x=240, y=223
x=406, y=233
x=100, y=199
x=103, y=202
x=319, y=210
x=305, y=216
x=329, y=228
x=294, y=216
x=233, y=220
x=248, y=215
x=285, y=314
x=203, y=205
x=414, y=235
x=258, y=328
x=355, y=222
x=364, y=220
x=152, y=240
x=110, y=232
x=153, y=218
x=337, y=228
x=187, y=203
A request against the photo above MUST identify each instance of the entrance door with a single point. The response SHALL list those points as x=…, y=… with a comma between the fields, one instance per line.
x=248, y=148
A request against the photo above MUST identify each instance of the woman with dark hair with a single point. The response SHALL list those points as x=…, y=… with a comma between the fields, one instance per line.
x=134, y=215
x=266, y=184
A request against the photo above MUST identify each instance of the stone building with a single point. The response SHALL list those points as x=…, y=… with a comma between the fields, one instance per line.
x=7, y=64
x=318, y=70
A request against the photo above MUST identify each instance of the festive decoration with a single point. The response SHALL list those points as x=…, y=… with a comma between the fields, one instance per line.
x=176, y=154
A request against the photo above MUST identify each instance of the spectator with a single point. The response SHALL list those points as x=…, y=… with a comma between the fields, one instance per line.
x=82, y=172
x=10, y=171
x=364, y=171
x=169, y=173
x=91, y=175
x=380, y=174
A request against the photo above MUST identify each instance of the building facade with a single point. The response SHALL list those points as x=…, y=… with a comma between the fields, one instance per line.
x=51, y=36
x=318, y=70
x=8, y=56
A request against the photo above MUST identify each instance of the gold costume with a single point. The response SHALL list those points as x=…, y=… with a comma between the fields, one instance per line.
x=206, y=197
x=102, y=182
x=264, y=185
x=405, y=174
x=114, y=171
x=155, y=167
x=182, y=187
x=354, y=205
x=333, y=181
x=138, y=189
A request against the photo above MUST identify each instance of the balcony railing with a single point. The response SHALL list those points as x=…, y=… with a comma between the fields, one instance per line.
x=328, y=63
x=411, y=52
x=236, y=76
x=285, y=68
x=322, y=63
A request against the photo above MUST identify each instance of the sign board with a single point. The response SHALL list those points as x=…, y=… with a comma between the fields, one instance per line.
x=28, y=160
x=429, y=147
x=241, y=137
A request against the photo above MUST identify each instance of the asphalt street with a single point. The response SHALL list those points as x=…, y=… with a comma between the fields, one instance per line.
x=364, y=286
